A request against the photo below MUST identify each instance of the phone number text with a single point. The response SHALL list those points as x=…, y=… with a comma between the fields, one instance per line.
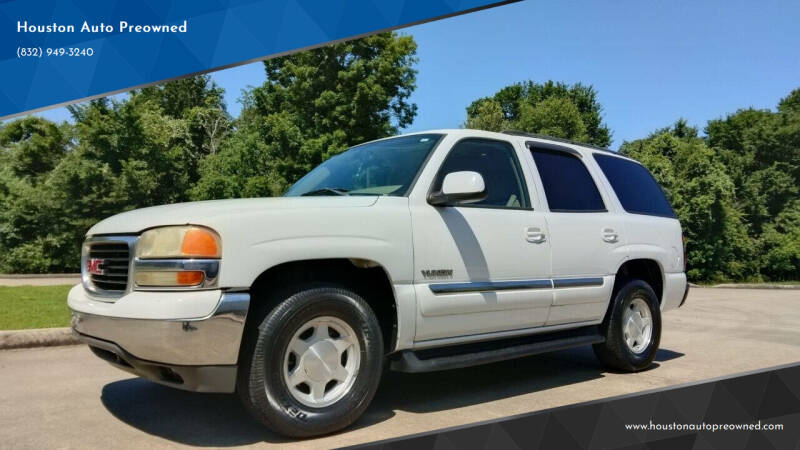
x=39, y=52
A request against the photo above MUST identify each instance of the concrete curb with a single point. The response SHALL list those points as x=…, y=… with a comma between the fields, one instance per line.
x=17, y=280
x=748, y=286
x=39, y=275
x=40, y=337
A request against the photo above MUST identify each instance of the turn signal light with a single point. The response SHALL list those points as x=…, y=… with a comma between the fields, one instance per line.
x=192, y=278
x=199, y=242
x=161, y=279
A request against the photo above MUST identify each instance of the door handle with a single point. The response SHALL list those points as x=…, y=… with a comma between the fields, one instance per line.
x=535, y=235
x=609, y=235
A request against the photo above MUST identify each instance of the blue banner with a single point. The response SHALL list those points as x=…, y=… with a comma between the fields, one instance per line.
x=60, y=51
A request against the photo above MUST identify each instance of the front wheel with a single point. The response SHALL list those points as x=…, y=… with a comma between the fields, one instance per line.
x=632, y=329
x=314, y=363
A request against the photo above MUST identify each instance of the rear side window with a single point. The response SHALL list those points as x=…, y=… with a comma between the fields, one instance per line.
x=567, y=183
x=637, y=190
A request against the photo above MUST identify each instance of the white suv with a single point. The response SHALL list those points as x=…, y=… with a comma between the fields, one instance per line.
x=428, y=251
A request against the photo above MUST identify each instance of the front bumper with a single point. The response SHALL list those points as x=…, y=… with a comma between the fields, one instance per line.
x=191, y=378
x=190, y=353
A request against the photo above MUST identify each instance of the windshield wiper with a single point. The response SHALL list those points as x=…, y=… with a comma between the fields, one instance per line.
x=326, y=190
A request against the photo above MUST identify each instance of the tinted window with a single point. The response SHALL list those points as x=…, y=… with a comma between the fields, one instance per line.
x=567, y=183
x=636, y=189
x=498, y=166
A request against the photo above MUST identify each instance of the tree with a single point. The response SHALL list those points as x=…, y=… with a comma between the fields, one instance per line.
x=735, y=190
x=702, y=194
x=552, y=108
x=32, y=146
x=554, y=116
x=761, y=150
x=313, y=105
x=488, y=115
x=781, y=244
x=198, y=102
x=178, y=98
x=119, y=155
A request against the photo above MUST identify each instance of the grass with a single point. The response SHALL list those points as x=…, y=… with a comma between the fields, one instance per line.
x=23, y=307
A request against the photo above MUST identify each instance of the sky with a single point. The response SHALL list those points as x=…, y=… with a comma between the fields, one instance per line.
x=651, y=62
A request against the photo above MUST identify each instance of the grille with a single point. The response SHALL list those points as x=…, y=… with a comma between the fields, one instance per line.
x=115, y=258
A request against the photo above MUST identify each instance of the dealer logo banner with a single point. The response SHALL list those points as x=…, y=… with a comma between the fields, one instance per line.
x=56, y=52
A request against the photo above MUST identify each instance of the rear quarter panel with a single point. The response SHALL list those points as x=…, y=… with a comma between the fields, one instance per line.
x=659, y=238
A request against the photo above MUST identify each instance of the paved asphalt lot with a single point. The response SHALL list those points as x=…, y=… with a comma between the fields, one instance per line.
x=66, y=397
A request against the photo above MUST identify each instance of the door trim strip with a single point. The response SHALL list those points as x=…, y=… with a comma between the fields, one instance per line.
x=483, y=286
x=489, y=286
x=577, y=282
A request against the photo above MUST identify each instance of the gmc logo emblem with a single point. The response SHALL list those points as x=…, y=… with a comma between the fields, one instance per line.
x=93, y=266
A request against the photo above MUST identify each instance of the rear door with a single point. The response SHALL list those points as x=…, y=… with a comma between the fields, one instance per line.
x=587, y=236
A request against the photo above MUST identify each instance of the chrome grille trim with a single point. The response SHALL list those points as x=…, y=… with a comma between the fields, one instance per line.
x=210, y=267
x=120, y=266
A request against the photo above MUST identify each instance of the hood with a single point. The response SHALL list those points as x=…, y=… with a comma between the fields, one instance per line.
x=208, y=212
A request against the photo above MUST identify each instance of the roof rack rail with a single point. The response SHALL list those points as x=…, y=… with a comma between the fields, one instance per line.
x=556, y=139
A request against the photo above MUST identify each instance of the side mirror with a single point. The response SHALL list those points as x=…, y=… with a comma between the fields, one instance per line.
x=459, y=188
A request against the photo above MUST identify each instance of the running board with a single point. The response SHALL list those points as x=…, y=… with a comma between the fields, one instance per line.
x=465, y=355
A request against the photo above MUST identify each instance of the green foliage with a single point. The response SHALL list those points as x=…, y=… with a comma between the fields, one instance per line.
x=735, y=191
x=313, y=105
x=781, y=244
x=33, y=146
x=198, y=103
x=554, y=109
x=173, y=142
x=59, y=180
x=702, y=195
x=761, y=150
x=242, y=168
x=554, y=116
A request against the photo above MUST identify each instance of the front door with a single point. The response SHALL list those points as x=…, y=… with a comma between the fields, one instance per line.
x=482, y=267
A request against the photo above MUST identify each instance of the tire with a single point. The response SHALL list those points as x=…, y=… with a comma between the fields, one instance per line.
x=319, y=319
x=617, y=352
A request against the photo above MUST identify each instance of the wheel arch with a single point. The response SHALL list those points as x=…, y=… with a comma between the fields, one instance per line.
x=645, y=269
x=367, y=278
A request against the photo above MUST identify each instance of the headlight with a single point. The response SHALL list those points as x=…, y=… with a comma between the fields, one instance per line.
x=177, y=257
x=179, y=242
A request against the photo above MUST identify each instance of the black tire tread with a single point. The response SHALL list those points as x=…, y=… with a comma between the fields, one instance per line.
x=289, y=304
x=614, y=353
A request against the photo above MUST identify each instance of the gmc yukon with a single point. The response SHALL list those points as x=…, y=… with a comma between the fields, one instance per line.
x=423, y=252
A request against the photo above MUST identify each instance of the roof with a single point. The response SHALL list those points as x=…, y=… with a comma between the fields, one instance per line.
x=522, y=134
x=545, y=137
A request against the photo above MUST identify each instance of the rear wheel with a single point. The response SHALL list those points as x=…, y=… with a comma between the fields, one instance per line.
x=632, y=329
x=313, y=364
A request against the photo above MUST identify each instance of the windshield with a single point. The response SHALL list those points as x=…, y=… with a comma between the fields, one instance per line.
x=386, y=167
